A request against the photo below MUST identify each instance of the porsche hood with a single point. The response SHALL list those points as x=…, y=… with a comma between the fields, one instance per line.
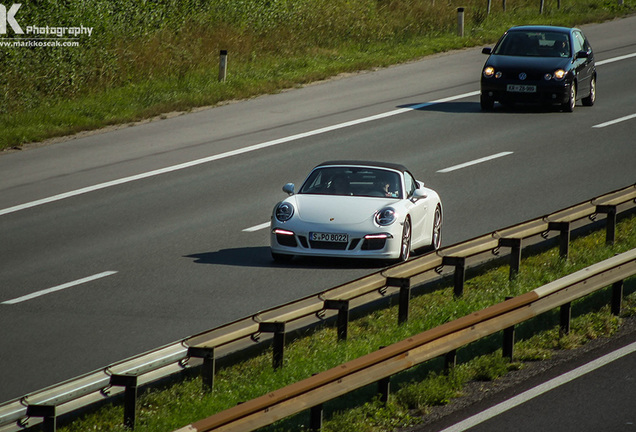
x=337, y=209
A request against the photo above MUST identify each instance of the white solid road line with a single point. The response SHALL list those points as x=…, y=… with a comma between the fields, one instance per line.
x=229, y=154
x=615, y=59
x=618, y=120
x=540, y=389
x=59, y=287
x=257, y=227
x=475, y=162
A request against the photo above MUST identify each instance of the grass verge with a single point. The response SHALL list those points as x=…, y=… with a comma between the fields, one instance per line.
x=414, y=391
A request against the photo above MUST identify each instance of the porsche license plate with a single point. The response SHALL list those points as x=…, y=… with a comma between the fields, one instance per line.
x=520, y=88
x=329, y=237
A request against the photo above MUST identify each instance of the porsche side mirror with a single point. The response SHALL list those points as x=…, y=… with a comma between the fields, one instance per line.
x=419, y=194
x=487, y=51
x=289, y=188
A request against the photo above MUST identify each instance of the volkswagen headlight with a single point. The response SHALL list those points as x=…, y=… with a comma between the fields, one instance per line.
x=559, y=74
x=489, y=71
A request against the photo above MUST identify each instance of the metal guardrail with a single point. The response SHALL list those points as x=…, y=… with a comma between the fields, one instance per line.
x=379, y=366
x=46, y=405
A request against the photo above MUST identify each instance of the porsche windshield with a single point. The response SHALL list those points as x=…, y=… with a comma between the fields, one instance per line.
x=353, y=181
x=534, y=44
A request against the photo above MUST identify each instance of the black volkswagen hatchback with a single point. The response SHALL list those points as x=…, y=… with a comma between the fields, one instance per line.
x=539, y=64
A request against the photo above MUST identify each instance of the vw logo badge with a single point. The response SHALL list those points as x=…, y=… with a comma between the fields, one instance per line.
x=523, y=76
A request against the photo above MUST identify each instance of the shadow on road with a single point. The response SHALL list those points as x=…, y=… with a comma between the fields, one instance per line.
x=474, y=107
x=449, y=107
x=260, y=257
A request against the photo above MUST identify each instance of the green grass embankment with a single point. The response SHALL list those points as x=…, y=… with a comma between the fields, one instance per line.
x=146, y=58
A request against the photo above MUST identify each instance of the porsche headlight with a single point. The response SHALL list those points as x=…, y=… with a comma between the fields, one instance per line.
x=385, y=216
x=284, y=211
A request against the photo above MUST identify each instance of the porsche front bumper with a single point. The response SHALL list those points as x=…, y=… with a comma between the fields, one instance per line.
x=380, y=243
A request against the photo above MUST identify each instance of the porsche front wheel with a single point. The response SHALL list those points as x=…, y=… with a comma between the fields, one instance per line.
x=405, y=248
x=436, y=234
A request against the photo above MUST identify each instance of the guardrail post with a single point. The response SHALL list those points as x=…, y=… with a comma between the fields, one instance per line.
x=405, y=296
x=564, y=237
x=450, y=360
x=509, y=340
x=278, y=328
x=130, y=396
x=460, y=272
x=209, y=365
x=617, y=297
x=315, y=417
x=515, y=254
x=384, y=388
x=610, y=227
x=47, y=412
x=342, y=306
x=566, y=318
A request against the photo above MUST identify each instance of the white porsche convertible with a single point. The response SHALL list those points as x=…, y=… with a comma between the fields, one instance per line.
x=358, y=210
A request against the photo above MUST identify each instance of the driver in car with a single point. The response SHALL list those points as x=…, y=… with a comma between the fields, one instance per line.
x=389, y=188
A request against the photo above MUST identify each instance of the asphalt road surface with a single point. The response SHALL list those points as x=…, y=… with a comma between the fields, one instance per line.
x=118, y=242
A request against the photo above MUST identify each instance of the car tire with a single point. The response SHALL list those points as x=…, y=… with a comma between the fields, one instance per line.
x=571, y=102
x=589, y=101
x=405, y=245
x=436, y=233
x=281, y=258
x=486, y=103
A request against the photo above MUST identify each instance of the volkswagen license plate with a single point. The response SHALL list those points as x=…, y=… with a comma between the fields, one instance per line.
x=521, y=88
x=329, y=237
